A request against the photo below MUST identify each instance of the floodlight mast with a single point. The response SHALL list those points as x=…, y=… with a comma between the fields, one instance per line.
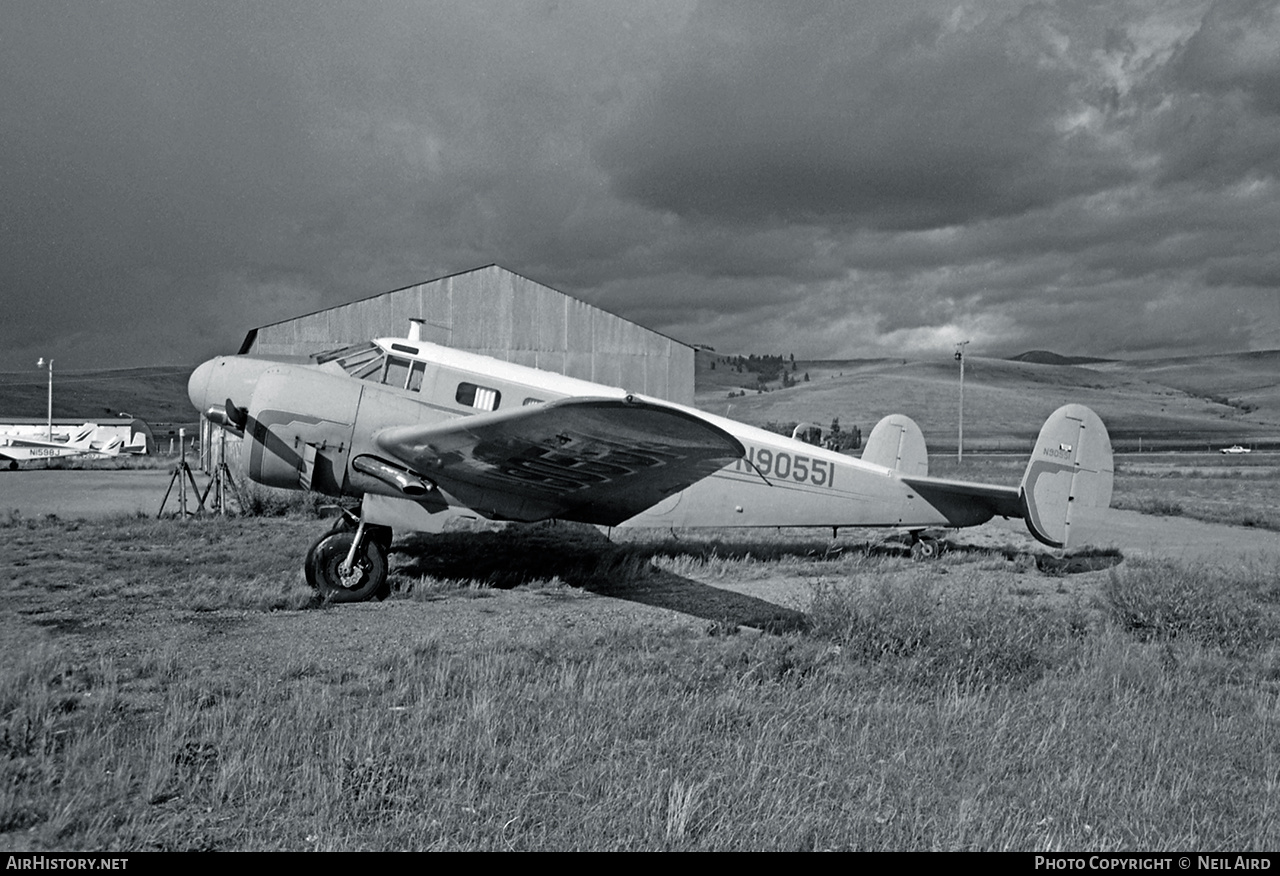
x=960, y=436
x=49, y=410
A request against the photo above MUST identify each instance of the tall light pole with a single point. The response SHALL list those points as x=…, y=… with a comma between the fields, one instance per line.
x=960, y=437
x=41, y=364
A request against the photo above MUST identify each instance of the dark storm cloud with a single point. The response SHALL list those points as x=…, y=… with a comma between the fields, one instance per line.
x=848, y=113
x=1234, y=50
x=204, y=168
x=1067, y=178
x=153, y=149
x=842, y=179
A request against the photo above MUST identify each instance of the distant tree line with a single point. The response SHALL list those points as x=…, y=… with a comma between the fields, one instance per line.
x=767, y=368
x=835, y=438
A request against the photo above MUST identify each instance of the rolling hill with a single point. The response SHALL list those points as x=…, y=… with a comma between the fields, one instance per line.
x=157, y=394
x=1045, y=357
x=1247, y=381
x=1203, y=400
x=1207, y=400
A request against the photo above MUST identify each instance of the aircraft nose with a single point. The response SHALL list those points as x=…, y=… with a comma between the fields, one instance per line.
x=223, y=378
x=198, y=385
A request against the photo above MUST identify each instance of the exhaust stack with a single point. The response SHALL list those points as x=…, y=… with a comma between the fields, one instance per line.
x=228, y=416
x=406, y=482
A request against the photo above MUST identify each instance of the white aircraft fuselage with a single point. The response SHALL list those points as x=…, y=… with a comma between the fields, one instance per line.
x=418, y=432
x=309, y=424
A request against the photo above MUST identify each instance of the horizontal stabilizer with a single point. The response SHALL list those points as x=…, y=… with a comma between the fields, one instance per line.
x=964, y=503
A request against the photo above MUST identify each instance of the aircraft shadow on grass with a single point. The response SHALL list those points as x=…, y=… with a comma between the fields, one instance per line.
x=583, y=557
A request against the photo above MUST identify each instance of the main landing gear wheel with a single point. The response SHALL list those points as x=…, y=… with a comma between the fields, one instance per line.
x=925, y=548
x=367, y=577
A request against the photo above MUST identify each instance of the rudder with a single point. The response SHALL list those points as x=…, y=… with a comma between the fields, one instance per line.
x=1070, y=470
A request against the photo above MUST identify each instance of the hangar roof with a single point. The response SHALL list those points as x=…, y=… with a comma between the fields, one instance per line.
x=503, y=315
x=249, y=337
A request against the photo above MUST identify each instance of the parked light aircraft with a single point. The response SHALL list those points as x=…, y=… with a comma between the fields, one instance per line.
x=17, y=447
x=137, y=445
x=416, y=431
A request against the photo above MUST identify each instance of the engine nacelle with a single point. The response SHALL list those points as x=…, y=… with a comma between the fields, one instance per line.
x=295, y=450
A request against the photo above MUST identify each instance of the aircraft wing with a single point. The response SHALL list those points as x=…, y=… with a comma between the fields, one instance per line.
x=593, y=460
x=965, y=503
x=31, y=441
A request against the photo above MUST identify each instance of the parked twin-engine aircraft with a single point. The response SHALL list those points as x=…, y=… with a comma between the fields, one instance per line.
x=415, y=430
x=18, y=447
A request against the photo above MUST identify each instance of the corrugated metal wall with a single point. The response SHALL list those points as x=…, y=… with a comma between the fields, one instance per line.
x=497, y=313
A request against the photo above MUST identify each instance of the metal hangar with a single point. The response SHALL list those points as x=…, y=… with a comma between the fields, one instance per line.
x=498, y=313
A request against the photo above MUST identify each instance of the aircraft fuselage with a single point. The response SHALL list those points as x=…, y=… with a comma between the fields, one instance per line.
x=314, y=427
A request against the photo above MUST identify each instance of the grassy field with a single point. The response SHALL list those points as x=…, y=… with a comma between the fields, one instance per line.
x=174, y=685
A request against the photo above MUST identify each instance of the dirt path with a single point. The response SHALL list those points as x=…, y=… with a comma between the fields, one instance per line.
x=84, y=494
x=1149, y=536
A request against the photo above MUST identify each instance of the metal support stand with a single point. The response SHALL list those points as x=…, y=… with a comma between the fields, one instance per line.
x=221, y=484
x=222, y=481
x=178, y=478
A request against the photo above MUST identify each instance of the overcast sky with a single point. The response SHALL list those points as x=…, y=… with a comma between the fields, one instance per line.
x=833, y=179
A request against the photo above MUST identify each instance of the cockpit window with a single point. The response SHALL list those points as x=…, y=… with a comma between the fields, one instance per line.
x=396, y=373
x=415, y=376
x=362, y=361
x=368, y=372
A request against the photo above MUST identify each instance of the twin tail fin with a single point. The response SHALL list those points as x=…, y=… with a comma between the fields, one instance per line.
x=1070, y=472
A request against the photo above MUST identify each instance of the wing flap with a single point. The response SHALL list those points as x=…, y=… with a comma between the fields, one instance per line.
x=593, y=460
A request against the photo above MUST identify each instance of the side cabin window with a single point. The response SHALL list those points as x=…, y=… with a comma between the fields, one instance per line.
x=479, y=397
x=396, y=373
x=531, y=401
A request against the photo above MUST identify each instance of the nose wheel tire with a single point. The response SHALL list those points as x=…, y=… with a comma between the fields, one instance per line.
x=365, y=580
